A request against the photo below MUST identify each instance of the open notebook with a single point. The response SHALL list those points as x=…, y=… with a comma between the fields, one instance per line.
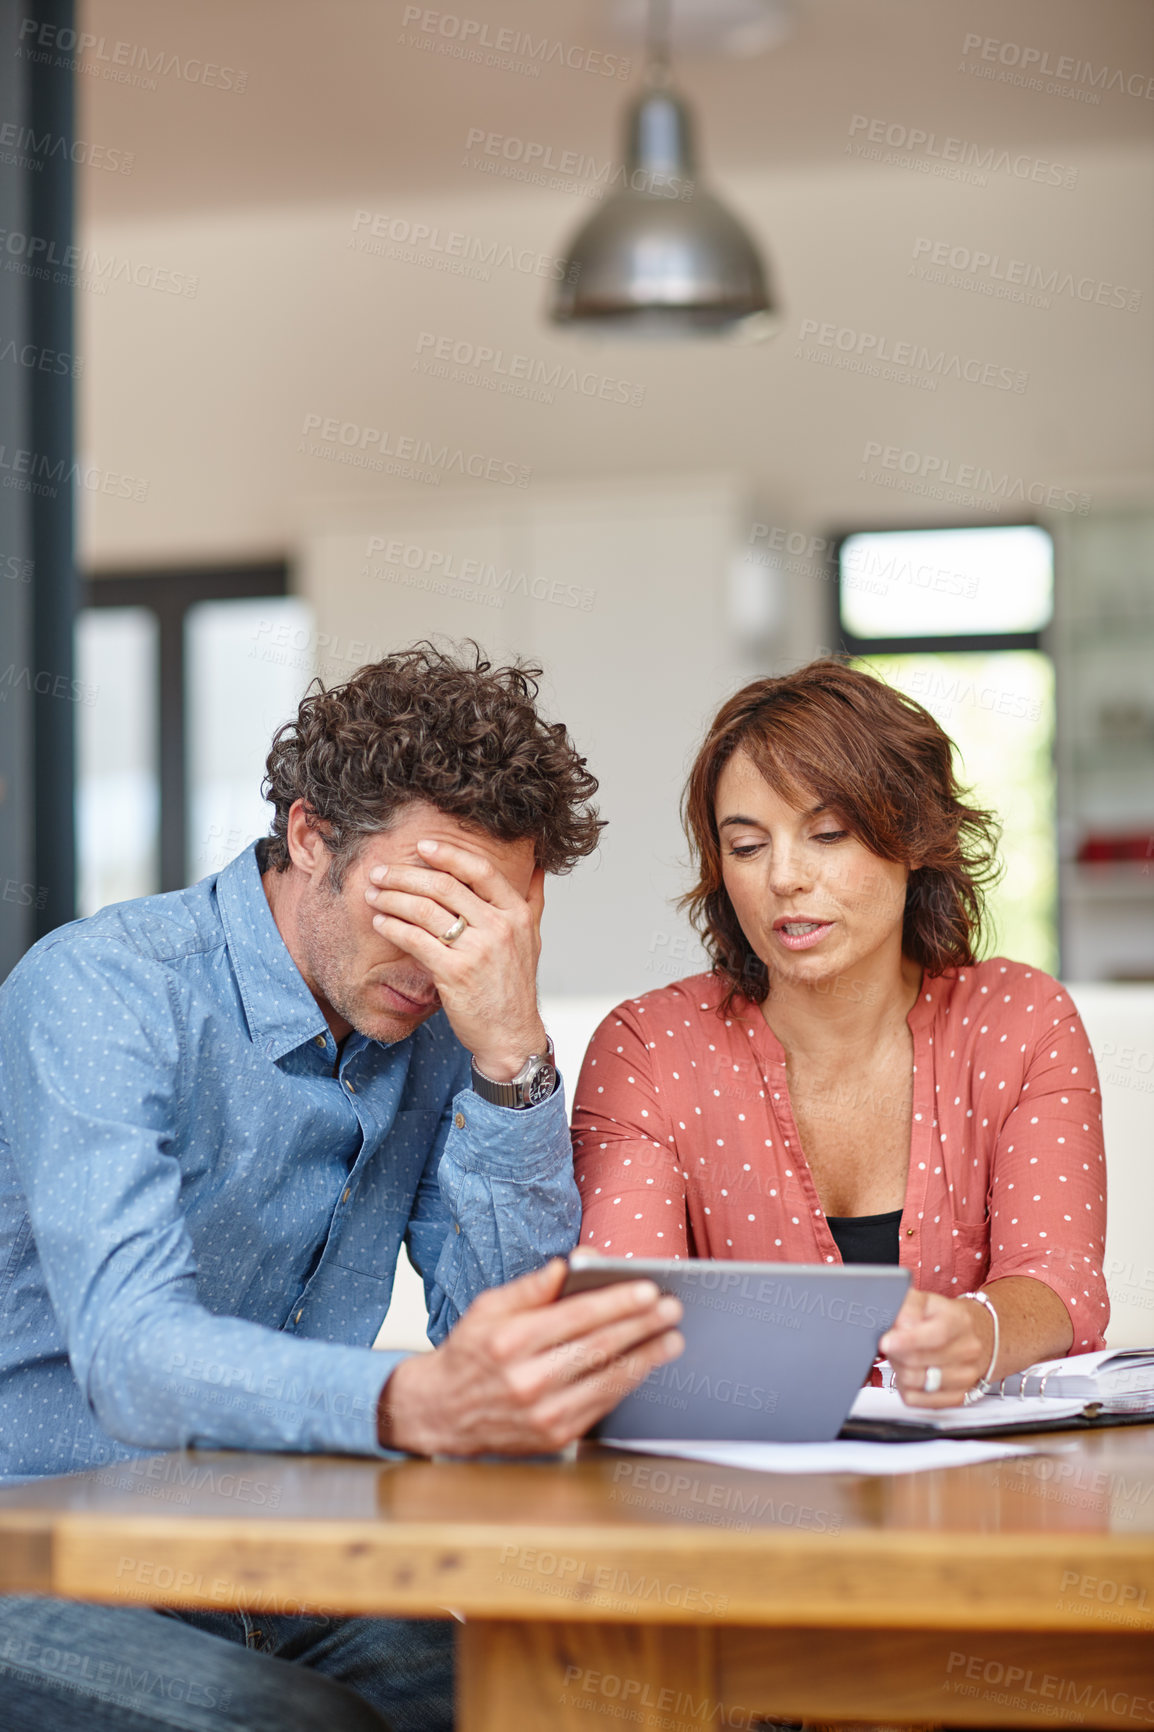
x=1087, y=1389
x=1104, y=1376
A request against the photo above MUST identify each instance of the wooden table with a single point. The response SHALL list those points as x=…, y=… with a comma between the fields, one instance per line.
x=647, y=1592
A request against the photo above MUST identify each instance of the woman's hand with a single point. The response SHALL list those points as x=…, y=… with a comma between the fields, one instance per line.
x=954, y=1334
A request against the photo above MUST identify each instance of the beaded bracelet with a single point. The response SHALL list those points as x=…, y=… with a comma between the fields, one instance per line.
x=984, y=1383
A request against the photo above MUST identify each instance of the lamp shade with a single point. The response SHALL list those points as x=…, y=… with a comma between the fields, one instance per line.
x=661, y=257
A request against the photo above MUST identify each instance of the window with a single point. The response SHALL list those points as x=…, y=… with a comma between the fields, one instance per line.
x=955, y=618
x=191, y=672
x=246, y=666
x=118, y=787
x=956, y=583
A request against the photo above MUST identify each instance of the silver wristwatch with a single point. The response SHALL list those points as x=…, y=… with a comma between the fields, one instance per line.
x=533, y=1083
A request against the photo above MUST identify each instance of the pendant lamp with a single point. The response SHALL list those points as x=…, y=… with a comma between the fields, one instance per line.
x=661, y=257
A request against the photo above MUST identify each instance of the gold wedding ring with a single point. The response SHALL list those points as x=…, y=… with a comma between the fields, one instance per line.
x=455, y=930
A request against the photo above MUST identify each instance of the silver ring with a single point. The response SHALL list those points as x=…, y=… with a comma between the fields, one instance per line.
x=455, y=930
x=933, y=1380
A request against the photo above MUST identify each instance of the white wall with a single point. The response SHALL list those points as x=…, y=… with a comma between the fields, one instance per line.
x=206, y=398
x=635, y=675
x=1120, y=1023
x=215, y=400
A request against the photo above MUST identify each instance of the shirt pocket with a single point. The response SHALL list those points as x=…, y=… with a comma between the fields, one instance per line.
x=971, y=1254
x=382, y=1203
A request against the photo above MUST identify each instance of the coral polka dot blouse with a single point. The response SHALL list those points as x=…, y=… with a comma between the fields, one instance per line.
x=685, y=1142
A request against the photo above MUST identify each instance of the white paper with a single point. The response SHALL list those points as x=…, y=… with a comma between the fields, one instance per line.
x=1093, y=1376
x=887, y=1404
x=1087, y=1362
x=844, y=1455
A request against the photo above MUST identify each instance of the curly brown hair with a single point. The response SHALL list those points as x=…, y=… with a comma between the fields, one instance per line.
x=885, y=764
x=426, y=724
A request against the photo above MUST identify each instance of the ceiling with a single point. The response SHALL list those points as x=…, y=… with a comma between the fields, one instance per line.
x=343, y=99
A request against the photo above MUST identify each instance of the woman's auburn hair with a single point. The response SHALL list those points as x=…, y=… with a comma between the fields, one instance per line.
x=886, y=767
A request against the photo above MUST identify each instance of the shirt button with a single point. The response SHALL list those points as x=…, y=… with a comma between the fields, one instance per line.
x=909, y=1232
x=459, y=1121
x=350, y=1087
x=345, y=1196
x=318, y=1040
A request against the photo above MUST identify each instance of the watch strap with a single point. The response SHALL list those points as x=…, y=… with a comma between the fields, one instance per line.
x=514, y=1093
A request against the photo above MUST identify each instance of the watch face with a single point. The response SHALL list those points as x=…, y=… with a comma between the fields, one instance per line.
x=541, y=1084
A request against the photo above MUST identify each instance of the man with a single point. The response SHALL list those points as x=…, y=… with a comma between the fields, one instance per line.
x=223, y=1110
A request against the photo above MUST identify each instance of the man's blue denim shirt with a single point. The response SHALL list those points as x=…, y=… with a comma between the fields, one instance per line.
x=201, y=1210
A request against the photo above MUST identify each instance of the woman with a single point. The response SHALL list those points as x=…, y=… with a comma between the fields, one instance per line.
x=848, y=1084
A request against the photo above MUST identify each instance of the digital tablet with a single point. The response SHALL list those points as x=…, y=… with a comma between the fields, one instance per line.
x=774, y=1352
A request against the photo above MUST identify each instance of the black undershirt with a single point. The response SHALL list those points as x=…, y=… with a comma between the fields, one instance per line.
x=866, y=1238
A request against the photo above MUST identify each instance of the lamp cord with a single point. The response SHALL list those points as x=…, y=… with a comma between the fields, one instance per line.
x=657, y=44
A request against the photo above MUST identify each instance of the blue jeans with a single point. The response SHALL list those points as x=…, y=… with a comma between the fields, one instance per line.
x=65, y=1665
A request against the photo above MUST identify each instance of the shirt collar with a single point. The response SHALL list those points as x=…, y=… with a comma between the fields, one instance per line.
x=281, y=1011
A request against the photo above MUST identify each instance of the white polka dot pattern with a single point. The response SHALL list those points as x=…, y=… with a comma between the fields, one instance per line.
x=199, y=1222
x=690, y=1124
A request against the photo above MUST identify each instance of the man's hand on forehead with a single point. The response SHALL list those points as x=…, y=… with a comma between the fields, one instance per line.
x=443, y=861
x=487, y=977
